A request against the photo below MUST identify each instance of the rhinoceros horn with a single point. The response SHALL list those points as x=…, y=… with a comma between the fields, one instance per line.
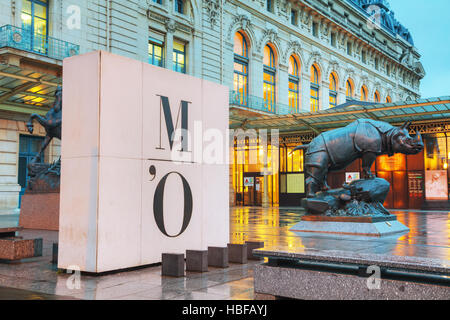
x=418, y=137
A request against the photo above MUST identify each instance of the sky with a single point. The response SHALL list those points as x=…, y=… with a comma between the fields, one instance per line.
x=429, y=23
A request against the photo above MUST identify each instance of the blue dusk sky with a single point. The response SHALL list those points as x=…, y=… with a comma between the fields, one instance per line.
x=429, y=23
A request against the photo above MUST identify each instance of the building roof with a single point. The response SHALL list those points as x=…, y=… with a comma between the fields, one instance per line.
x=424, y=110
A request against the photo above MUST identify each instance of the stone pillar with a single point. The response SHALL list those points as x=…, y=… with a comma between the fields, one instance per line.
x=228, y=60
x=196, y=55
x=324, y=92
x=168, y=50
x=341, y=98
x=305, y=91
x=256, y=76
x=232, y=193
x=283, y=87
x=9, y=149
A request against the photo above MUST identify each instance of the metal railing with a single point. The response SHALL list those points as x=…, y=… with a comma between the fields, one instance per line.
x=258, y=104
x=22, y=39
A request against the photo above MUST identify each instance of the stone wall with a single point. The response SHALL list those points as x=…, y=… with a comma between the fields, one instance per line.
x=10, y=131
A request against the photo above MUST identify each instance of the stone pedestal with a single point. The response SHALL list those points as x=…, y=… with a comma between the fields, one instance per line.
x=251, y=245
x=40, y=211
x=237, y=253
x=299, y=273
x=359, y=226
x=218, y=257
x=197, y=260
x=40, y=203
x=13, y=247
x=173, y=264
x=16, y=248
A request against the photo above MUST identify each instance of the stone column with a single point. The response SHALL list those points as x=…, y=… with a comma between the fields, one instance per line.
x=341, y=98
x=305, y=91
x=168, y=50
x=256, y=76
x=196, y=51
x=265, y=200
x=283, y=87
x=324, y=92
x=9, y=144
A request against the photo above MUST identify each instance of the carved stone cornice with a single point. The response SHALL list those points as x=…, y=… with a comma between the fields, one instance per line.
x=171, y=25
x=241, y=22
x=269, y=35
x=293, y=47
x=315, y=57
x=212, y=10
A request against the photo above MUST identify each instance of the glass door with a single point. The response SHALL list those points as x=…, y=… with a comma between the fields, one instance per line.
x=253, y=190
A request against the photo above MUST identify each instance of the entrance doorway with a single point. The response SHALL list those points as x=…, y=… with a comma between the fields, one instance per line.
x=253, y=189
x=29, y=147
x=398, y=193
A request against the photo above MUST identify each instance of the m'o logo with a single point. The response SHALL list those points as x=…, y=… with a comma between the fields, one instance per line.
x=158, y=205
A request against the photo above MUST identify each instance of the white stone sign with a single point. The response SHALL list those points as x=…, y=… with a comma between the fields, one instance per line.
x=124, y=200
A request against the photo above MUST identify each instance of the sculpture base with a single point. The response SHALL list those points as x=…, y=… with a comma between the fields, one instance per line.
x=40, y=211
x=359, y=226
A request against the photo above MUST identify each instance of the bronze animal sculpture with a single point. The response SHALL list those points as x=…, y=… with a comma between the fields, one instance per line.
x=51, y=122
x=366, y=139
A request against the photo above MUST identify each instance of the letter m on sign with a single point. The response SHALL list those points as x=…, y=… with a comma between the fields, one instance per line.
x=165, y=109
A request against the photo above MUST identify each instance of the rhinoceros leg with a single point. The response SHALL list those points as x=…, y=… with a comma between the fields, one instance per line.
x=325, y=186
x=368, y=159
x=316, y=172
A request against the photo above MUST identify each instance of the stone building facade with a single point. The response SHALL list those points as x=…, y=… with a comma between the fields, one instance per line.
x=357, y=41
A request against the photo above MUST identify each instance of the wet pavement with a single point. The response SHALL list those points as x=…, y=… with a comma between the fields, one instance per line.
x=429, y=235
x=38, y=278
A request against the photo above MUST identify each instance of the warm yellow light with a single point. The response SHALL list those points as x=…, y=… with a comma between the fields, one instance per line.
x=26, y=18
x=449, y=156
x=446, y=166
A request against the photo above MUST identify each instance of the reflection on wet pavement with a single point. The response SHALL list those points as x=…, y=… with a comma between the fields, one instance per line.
x=429, y=237
x=429, y=234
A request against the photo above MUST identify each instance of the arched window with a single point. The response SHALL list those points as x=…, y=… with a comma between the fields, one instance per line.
x=269, y=79
x=293, y=84
x=315, y=87
x=376, y=96
x=333, y=90
x=349, y=92
x=240, y=85
x=363, y=93
x=388, y=99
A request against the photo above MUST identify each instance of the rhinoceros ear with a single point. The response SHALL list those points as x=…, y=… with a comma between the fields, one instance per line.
x=406, y=125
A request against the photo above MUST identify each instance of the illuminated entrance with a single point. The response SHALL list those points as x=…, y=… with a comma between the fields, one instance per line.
x=285, y=178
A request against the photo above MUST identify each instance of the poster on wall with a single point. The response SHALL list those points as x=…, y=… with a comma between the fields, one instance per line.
x=415, y=184
x=248, y=182
x=351, y=176
x=436, y=185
